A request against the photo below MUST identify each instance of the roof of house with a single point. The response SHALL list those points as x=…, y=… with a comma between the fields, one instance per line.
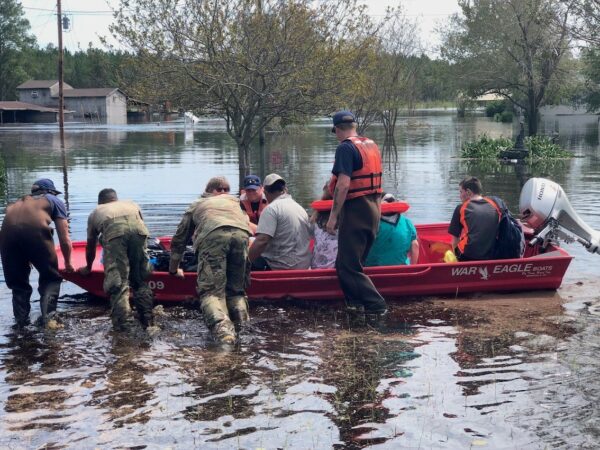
x=41, y=84
x=22, y=106
x=93, y=92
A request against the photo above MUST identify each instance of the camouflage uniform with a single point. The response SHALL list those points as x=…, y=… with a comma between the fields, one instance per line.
x=123, y=237
x=220, y=231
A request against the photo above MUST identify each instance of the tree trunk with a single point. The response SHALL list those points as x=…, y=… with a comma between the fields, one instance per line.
x=243, y=161
x=532, y=119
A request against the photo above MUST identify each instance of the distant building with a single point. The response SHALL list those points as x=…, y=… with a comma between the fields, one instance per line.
x=107, y=105
x=20, y=112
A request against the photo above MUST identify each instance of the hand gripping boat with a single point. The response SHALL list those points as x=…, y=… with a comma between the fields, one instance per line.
x=542, y=267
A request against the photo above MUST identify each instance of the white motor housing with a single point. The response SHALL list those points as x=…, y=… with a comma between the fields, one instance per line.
x=544, y=206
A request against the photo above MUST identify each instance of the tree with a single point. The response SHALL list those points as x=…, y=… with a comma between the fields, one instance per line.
x=253, y=61
x=13, y=40
x=509, y=47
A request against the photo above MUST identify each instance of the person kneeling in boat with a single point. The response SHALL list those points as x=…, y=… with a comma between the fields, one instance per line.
x=283, y=234
x=119, y=226
x=396, y=242
x=220, y=231
x=253, y=200
x=474, y=224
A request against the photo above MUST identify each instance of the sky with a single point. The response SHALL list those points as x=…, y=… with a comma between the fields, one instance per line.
x=90, y=19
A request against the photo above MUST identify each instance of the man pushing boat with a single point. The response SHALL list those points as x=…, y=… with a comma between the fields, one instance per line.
x=220, y=232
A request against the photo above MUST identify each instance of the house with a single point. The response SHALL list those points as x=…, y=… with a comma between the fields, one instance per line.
x=106, y=105
x=20, y=112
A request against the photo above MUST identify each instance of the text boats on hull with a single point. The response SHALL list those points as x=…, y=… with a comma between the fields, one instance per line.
x=537, y=270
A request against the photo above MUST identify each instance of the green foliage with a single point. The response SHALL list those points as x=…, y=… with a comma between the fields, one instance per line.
x=495, y=107
x=542, y=147
x=14, y=39
x=504, y=117
x=485, y=147
x=513, y=47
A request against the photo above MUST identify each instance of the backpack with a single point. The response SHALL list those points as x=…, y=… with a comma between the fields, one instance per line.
x=510, y=240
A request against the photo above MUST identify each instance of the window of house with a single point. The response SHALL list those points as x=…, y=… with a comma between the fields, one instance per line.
x=34, y=94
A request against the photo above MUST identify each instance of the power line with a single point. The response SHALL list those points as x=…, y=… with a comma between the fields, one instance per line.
x=78, y=12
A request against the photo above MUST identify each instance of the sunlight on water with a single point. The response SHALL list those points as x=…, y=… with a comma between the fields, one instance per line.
x=509, y=371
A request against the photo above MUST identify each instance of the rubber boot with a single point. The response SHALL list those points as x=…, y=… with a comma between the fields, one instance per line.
x=21, y=306
x=238, y=309
x=144, y=302
x=49, y=301
x=356, y=316
x=217, y=319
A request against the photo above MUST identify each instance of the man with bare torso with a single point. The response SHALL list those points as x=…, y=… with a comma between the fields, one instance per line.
x=26, y=239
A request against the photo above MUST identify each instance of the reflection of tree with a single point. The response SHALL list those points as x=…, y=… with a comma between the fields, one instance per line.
x=506, y=179
x=219, y=373
x=30, y=356
x=356, y=366
x=126, y=390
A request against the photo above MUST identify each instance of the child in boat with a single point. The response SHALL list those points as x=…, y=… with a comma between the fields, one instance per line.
x=396, y=242
x=325, y=244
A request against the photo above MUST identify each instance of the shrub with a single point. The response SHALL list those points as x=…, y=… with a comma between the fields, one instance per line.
x=504, y=117
x=495, y=107
x=485, y=147
x=542, y=147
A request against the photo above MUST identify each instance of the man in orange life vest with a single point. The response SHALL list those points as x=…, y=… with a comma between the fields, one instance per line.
x=252, y=199
x=474, y=224
x=356, y=189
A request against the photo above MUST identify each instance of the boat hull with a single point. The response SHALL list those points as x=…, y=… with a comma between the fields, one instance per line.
x=431, y=276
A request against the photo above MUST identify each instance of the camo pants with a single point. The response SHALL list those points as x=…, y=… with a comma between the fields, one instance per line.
x=223, y=275
x=126, y=264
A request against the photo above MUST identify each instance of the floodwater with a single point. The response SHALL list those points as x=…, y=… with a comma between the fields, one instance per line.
x=487, y=371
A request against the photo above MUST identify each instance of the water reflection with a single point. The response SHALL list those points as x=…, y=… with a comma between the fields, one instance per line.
x=510, y=371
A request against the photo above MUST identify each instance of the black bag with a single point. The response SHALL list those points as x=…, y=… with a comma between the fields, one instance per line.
x=510, y=241
x=160, y=257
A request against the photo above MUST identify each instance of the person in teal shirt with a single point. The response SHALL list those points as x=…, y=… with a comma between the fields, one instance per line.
x=396, y=242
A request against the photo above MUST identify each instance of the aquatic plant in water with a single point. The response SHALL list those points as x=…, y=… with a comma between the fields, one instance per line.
x=542, y=147
x=485, y=147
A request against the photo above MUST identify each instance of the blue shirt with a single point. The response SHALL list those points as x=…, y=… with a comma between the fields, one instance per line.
x=392, y=243
x=347, y=159
x=58, y=209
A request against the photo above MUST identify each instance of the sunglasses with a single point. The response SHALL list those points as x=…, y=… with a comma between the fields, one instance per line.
x=222, y=189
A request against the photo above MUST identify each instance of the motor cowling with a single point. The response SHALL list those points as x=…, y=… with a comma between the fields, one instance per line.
x=544, y=206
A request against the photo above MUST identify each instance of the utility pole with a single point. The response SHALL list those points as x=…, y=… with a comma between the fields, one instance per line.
x=61, y=100
x=61, y=103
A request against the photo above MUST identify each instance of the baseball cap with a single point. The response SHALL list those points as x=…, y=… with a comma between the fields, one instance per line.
x=272, y=178
x=252, y=182
x=44, y=184
x=342, y=117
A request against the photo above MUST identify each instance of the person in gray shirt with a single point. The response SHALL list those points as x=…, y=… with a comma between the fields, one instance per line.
x=283, y=234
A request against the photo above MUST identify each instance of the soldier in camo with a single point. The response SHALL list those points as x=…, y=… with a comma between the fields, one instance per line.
x=119, y=226
x=220, y=232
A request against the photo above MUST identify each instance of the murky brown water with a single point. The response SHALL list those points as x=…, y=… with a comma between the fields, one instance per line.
x=490, y=371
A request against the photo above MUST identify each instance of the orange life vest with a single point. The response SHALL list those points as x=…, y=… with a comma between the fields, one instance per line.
x=386, y=208
x=464, y=234
x=247, y=204
x=366, y=180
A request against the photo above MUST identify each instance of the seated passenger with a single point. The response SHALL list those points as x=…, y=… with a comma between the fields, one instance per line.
x=283, y=233
x=396, y=242
x=252, y=198
x=474, y=224
x=325, y=244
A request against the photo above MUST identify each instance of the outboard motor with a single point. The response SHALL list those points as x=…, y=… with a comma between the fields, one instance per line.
x=545, y=208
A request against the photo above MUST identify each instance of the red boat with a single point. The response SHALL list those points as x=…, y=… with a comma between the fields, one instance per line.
x=536, y=270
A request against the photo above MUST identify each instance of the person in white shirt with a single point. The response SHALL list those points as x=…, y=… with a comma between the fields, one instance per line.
x=283, y=233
